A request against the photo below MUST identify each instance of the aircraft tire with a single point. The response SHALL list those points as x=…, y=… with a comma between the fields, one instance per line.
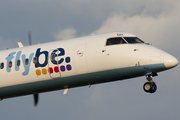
x=150, y=87
x=153, y=88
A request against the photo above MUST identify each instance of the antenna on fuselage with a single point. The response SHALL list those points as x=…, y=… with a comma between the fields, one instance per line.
x=36, y=96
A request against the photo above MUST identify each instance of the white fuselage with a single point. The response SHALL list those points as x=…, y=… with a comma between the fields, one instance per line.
x=77, y=62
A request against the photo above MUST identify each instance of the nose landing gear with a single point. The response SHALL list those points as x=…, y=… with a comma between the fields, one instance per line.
x=150, y=86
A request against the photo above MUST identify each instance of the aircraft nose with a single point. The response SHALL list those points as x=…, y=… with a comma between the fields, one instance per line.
x=170, y=61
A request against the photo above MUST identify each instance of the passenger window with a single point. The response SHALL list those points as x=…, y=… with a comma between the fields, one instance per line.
x=133, y=40
x=35, y=60
x=113, y=41
x=18, y=62
x=26, y=61
x=10, y=64
x=1, y=65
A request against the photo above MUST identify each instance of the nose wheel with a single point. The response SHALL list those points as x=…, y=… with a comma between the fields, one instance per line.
x=150, y=86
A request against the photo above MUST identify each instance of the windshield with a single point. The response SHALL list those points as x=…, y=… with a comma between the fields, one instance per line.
x=116, y=40
x=133, y=40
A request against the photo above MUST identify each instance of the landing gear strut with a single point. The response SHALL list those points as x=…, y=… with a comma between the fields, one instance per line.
x=150, y=86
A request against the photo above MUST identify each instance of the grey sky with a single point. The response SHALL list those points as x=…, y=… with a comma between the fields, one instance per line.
x=155, y=21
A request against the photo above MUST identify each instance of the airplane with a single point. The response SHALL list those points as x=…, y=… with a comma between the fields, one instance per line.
x=82, y=61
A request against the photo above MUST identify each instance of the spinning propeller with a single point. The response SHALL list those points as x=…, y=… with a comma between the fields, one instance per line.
x=36, y=96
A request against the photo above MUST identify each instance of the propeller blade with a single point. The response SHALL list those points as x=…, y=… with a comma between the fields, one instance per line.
x=29, y=34
x=36, y=98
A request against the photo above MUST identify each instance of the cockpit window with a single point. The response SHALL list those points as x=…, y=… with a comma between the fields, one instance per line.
x=113, y=41
x=133, y=40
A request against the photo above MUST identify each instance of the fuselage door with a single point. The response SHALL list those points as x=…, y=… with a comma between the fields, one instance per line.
x=53, y=63
x=80, y=59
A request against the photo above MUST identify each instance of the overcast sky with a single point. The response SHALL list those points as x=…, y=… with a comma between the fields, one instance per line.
x=155, y=21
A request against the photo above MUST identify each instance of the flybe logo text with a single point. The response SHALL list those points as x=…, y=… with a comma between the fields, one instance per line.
x=36, y=60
